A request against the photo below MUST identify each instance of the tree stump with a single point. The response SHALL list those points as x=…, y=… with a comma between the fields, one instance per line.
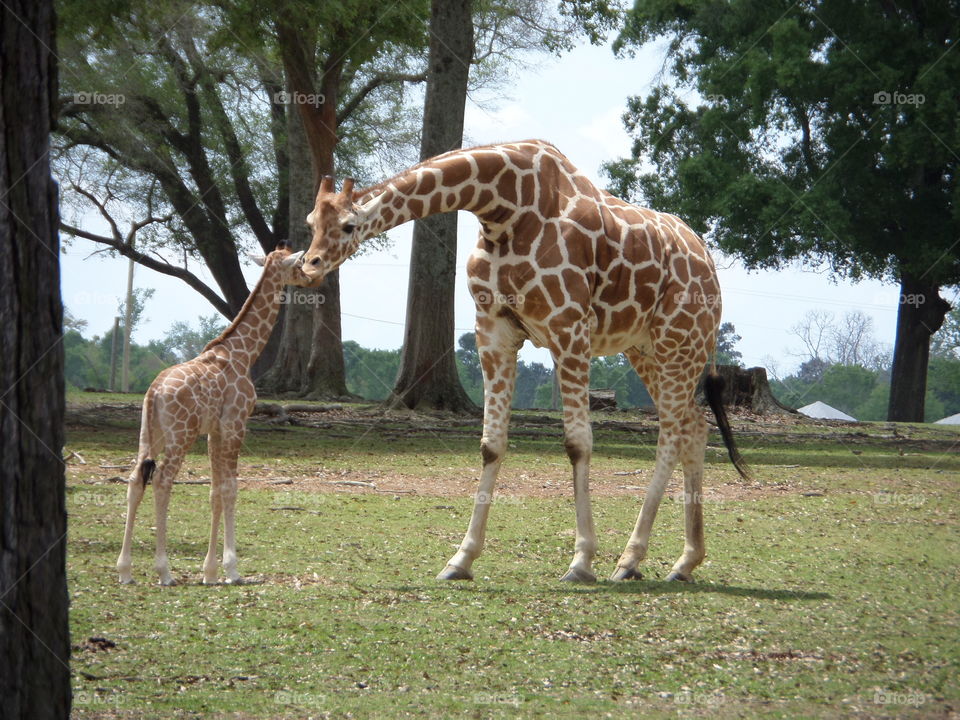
x=747, y=389
x=604, y=399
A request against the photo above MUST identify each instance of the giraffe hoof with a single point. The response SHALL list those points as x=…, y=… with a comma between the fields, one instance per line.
x=235, y=581
x=678, y=576
x=128, y=581
x=169, y=582
x=579, y=575
x=625, y=573
x=452, y=572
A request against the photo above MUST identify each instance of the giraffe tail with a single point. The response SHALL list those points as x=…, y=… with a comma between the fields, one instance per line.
x=145, y=463
x=147, y=466
x=713, y=388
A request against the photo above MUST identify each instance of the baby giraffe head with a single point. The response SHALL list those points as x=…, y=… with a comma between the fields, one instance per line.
x=287, y=262
x=335, y=225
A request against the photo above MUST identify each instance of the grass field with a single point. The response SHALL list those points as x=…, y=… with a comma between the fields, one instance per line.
x=830, y=587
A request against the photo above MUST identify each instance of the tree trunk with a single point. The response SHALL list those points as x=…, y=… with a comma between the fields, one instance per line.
x=921, y=314
x=428, y=372
x=747, y=389
x=34, y=632
x=309, y=359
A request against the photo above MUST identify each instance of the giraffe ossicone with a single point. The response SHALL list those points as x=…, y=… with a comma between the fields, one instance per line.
x=574, y=269
x=211, y=394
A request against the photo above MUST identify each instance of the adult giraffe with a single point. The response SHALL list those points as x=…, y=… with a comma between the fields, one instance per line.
x=570, y=267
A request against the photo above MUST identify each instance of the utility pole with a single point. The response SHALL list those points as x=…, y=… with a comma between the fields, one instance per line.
x=113, y=354
x=127, y=321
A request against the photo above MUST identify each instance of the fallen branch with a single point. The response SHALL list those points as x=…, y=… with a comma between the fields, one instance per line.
x=75, y=454
x=355, y=483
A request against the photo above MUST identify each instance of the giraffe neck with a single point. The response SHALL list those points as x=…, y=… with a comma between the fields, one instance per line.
x=250, y=330
x=479, y=180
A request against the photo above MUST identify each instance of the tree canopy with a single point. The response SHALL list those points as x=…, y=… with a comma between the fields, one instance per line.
x=823, y=131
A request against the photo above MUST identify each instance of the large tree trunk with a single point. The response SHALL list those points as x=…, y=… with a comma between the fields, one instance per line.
x=921, y=314
x=34, y=633
x=428, y=372
x=309, y=359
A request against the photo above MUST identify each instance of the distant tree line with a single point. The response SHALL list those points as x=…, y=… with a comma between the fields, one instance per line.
x=847, y=369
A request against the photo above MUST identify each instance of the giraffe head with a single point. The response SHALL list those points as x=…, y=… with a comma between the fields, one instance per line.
x=335, y=223
x=287, y=263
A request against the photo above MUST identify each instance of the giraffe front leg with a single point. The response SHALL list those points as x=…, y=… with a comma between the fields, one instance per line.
x=574, y=375
x=214, y=445
x=497, y=343
x=224, y=452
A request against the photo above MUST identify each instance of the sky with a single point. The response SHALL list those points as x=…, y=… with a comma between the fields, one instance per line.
x=575, y=102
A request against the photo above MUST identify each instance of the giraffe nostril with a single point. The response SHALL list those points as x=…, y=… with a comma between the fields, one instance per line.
x=315, y=261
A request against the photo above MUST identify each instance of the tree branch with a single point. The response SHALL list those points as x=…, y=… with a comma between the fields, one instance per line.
x=125, y=249
x=372, y=84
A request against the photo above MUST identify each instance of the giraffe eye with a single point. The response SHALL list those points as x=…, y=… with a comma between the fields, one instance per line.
x=348, y=228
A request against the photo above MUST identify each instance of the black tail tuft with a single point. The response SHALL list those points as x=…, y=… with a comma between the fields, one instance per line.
x=146, y=471
x=713, y=388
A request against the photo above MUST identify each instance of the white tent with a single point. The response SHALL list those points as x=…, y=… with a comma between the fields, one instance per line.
x=822, y=411
x=952, y=420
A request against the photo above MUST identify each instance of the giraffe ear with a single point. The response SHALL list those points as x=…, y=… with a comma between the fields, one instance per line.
x=292, y=260
x=258, y=259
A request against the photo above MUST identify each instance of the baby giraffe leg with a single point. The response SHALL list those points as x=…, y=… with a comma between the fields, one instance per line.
x=216, y=506
x=136, y=486
x=166, y=472
x=228, y=494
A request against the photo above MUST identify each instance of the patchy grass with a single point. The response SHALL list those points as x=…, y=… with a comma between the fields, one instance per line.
x=829, y=590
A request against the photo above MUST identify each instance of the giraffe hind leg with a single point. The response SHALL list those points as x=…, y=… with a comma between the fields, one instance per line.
x=136, y=486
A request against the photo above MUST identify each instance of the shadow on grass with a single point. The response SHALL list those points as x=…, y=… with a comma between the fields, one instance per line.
x=638, y=587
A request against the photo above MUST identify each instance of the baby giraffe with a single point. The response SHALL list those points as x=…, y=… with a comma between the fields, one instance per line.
x=211, y=394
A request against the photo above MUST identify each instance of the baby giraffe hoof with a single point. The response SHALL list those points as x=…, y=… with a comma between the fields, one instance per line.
x=579, y=575
x=678, y=576
x=452, y=572
x=624, y=573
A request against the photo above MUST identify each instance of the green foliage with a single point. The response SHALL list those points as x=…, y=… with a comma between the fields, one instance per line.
x=370, y=373
x=726, y=353
x=864, y=393
x=816, y=131
x=183, y=342
x=616, y=373
x=945, y=343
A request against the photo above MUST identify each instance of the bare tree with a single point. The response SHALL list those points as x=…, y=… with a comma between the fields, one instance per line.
x=848, y=340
